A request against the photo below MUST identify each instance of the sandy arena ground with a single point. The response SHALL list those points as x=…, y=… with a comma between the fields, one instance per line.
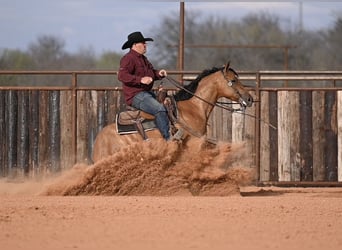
x=157, y=196
x=272, y=218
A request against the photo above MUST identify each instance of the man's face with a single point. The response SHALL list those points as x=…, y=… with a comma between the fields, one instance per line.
x=140, y=47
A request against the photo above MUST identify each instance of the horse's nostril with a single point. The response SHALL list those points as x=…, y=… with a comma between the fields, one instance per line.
x=250, y=101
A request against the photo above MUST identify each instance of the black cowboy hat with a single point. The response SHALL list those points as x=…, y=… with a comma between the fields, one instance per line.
x=135, y=37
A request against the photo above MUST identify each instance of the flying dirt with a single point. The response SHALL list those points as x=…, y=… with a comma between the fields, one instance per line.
x=161, y=168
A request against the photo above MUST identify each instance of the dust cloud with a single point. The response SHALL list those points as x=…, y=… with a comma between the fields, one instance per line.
x=157, y=168
x=153, y=168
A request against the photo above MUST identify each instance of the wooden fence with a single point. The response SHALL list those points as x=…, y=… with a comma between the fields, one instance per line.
x=293, y=132
x=307, y=145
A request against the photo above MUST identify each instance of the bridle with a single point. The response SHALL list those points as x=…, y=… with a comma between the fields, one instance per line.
x=232, y=84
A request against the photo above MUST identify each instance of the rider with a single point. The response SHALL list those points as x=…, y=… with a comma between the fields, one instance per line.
x=138, y=75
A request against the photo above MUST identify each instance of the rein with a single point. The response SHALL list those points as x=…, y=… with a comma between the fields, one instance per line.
x=217, y=104
x=178, y=85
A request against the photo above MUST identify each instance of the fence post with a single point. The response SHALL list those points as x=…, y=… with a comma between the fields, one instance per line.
x=34, y=131
x=331, y=136
x=264, y=148
x=3, y=170
x=257, y=125
x=74, y=116
x=306, y=122
x=318, y=136
x=54, y=131
x=284, y=127
x=66, y=129
x=273, y=135
x=339, y=134
x=23, y=132
x=11, y=131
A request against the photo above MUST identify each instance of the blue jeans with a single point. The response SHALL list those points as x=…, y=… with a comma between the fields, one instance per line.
x=147, y=102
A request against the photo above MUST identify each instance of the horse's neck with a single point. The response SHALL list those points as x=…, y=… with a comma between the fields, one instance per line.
x=195, y=112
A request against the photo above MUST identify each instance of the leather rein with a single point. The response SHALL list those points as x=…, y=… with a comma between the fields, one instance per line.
x=230, y=83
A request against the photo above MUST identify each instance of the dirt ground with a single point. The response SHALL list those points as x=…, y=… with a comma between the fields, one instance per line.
x=268, y=218
x=157, y=196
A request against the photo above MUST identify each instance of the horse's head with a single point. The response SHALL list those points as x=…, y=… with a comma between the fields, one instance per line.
x=233, y=89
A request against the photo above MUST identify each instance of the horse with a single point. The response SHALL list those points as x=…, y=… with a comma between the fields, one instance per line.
x=194, y=102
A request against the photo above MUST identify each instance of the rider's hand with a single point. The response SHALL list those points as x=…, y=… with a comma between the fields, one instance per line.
x=162, y=73
x=146, y=80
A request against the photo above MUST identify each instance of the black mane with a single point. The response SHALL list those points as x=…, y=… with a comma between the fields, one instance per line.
x=183, y=95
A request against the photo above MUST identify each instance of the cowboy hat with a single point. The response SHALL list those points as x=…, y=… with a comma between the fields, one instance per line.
x=135, y=37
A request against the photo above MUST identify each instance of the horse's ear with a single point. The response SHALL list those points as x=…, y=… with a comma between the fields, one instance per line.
x=226, y=68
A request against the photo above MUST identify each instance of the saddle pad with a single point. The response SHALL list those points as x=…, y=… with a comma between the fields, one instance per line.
x=130, y=129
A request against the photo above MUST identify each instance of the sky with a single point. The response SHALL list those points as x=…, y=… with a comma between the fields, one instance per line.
x=103, y=25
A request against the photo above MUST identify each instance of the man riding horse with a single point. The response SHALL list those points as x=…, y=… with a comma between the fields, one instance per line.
x=194, y=101
x=138, y=75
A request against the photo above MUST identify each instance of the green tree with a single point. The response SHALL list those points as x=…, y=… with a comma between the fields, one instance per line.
x=261, y=29
x=334, y=44
x=108, y=61
x=47, y=52
x=14, y=60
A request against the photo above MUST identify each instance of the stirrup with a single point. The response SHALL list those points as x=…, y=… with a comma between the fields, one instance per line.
x=139, y=127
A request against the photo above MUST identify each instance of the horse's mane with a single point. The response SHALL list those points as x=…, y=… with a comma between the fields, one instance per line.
x=183, y=95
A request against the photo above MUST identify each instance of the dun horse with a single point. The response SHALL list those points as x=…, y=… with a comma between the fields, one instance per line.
x=194, y=105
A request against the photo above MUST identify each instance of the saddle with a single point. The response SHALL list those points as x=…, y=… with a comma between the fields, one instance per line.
x=139, y=121
x=131, y=116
